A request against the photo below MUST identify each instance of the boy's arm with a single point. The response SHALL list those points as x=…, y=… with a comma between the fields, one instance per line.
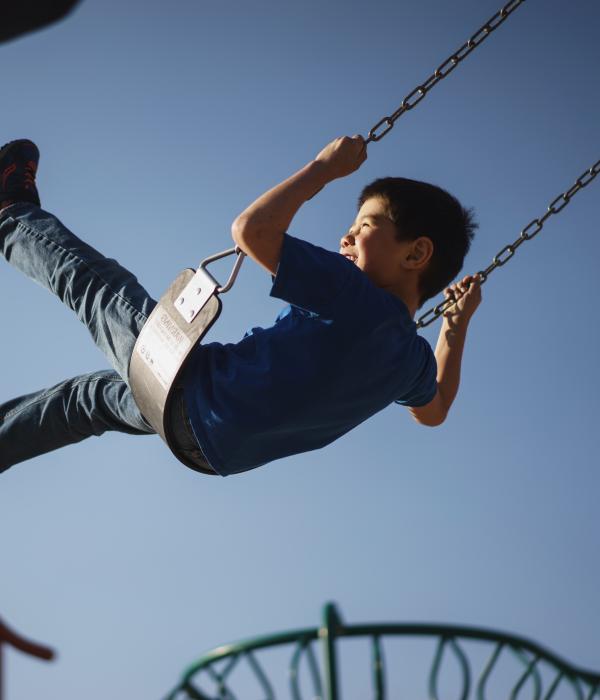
x=259, y=230
x=449, y=351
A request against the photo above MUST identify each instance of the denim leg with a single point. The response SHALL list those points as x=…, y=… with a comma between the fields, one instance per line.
x=111, y=303
x=106, y=297
x=67, y=413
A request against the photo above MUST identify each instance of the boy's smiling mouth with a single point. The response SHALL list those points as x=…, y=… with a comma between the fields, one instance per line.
x=352, y=258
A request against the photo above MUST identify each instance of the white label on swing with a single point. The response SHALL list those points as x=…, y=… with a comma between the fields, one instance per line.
x=163, y=346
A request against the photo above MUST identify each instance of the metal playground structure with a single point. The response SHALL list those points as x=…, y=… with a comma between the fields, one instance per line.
x=383, y=661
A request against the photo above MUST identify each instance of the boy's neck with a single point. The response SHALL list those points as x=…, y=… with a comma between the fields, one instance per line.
x=408, y=295
x=411, y=304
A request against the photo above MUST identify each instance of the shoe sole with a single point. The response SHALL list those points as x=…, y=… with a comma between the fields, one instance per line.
x=7, y=146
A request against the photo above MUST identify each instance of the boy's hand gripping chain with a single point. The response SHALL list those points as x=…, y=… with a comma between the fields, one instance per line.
x=180, y=320
x=530, y=231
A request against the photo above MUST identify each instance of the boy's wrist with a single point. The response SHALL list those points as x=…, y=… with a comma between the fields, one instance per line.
x=320, y=172
x=456, y=323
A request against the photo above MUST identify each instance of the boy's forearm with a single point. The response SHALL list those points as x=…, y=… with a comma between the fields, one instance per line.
x=272, y=213
x=448, y=354
x=259, y=230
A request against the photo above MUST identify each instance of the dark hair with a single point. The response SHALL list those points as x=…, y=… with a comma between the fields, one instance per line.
x=420, y=209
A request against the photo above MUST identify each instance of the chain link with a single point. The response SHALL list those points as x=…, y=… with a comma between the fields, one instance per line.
x=530, y=231
x=386, y=124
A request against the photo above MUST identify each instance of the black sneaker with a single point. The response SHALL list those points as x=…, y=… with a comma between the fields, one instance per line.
x=18, y=166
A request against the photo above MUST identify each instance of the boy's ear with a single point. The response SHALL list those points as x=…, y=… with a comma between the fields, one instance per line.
x=419, y=253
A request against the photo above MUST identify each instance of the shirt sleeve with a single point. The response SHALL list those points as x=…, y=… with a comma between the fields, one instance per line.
x=425, y=385
x=311, y=277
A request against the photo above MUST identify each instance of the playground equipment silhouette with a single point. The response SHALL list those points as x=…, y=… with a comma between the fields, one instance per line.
x=458, y=662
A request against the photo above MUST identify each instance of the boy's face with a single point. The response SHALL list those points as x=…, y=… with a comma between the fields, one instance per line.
x=371, y=244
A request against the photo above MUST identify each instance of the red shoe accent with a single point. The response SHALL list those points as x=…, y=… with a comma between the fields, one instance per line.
x=30, y=171
x=6, y=174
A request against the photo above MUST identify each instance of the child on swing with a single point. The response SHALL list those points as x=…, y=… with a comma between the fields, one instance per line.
x=343, y=348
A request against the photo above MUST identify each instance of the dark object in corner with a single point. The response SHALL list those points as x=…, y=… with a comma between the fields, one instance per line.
x=20, y=16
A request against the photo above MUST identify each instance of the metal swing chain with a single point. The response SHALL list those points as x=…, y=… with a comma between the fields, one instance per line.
x=386, y=124
x=530, y=231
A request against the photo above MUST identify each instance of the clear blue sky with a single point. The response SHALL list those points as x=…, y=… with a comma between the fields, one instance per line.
x=158, y=123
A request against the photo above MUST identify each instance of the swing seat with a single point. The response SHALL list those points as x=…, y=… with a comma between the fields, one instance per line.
x=161, y=353
x=182, y=317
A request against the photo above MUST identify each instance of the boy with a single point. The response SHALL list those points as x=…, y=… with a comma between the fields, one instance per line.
x=344, y=348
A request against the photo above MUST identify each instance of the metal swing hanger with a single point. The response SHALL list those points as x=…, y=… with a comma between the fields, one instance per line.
x=203, y=285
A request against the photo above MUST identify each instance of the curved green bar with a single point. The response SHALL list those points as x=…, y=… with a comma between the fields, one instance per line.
x=220, y=663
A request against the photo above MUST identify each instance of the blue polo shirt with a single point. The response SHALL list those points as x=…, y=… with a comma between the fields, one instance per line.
x=342, y=350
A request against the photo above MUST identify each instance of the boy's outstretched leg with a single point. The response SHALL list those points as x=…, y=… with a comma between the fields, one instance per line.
x=65, y=414
x=106, y=297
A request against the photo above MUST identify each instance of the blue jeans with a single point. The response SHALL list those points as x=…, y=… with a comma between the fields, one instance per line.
x=113, y=306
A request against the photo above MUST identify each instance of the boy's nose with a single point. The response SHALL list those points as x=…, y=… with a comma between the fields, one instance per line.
x=348, y=239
